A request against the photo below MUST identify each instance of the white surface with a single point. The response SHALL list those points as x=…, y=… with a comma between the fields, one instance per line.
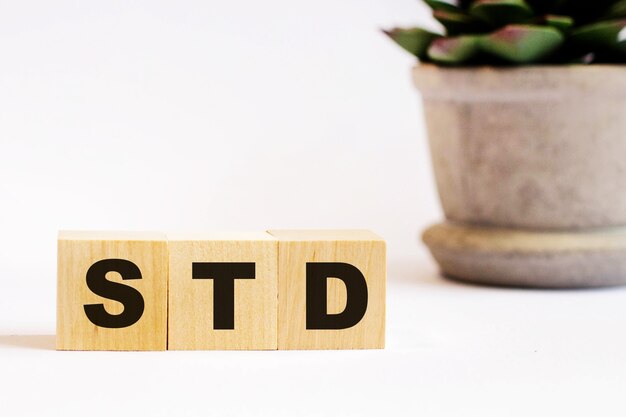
x=254, y=115
x=452, y=349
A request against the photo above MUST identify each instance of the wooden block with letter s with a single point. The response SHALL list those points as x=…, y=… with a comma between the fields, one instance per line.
x=331, y=289
x=112, y=291
x=223, y=291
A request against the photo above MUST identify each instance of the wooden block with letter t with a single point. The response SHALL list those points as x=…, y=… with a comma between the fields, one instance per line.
x=112, y=291
x=223, y=291
x=331, y=289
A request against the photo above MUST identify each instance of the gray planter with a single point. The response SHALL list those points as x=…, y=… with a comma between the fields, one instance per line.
x=528, y=160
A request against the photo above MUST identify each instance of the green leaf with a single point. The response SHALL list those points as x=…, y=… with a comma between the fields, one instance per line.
x=415, y=40
x=617, y=10
x=562, y=23
x=442, y=5
x=456, y=22
x=522, y=44
x=586, y=11
x=605, y=37
x=453, y=50
x=546, y=6
x=501, y=12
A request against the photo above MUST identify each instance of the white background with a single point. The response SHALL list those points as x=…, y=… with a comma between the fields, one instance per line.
x=249, y=115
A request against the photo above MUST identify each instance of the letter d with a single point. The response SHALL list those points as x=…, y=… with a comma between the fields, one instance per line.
x=317, y=274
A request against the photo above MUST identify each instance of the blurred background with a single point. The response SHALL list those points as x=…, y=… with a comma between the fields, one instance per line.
x=242, y=115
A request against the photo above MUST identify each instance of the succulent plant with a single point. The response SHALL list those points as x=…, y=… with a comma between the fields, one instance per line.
x=519, y=32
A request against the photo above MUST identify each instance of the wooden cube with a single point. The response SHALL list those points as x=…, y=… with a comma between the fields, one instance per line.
x=222, y=291
x=331, y=289
x=112, y=291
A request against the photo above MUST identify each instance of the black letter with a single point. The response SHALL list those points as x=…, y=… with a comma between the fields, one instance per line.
x=317, y=316
x=223, y=275
x=128, y=296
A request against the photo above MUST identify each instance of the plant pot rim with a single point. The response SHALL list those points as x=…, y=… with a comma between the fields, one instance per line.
x=533, y=67
x=527, y=82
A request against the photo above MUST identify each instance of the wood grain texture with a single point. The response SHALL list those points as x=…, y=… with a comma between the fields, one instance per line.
x=363, y=249
x=191, y=323
x=77, y=252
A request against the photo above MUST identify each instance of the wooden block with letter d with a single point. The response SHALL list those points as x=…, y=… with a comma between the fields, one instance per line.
x=112, y=291
x=331, y=289
x=223, y=291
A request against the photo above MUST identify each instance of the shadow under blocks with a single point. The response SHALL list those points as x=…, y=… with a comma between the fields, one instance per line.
x=30, y=341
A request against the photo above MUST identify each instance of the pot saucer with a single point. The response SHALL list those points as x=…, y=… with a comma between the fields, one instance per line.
x=529, y=258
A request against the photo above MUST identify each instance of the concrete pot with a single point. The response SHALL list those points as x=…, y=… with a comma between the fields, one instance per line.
x=539, y=151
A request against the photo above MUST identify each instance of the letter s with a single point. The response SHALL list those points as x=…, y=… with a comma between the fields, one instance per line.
x=131, y=298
